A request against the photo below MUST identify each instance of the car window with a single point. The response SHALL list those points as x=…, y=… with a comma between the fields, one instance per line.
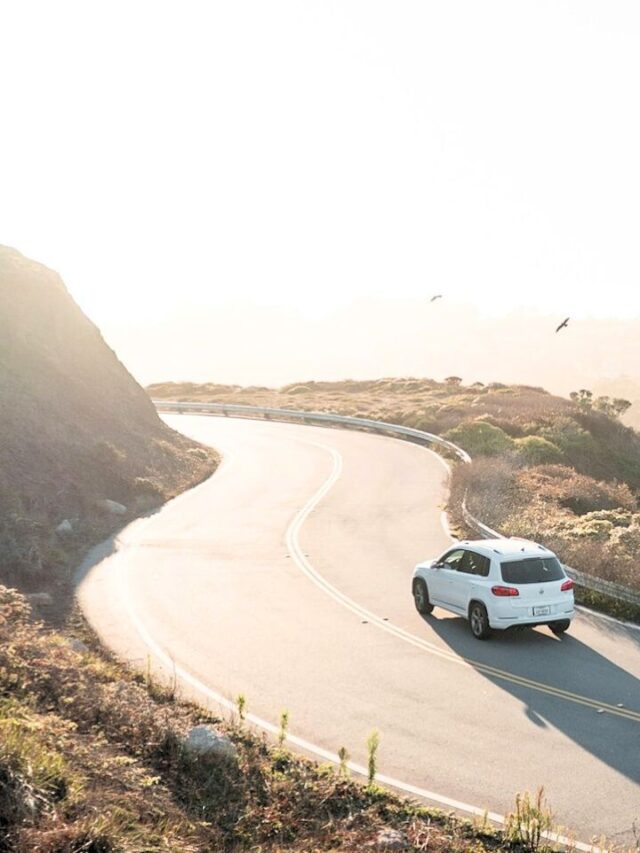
x=452, y=559
x=532, y=570
x=465, y=564
x=479, y=565
x=474, y=564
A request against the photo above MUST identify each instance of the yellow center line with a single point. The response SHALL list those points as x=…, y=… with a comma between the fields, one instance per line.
x=486, y=669
x=504, y=675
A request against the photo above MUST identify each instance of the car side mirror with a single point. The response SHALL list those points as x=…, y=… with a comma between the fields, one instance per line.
x=438, y=565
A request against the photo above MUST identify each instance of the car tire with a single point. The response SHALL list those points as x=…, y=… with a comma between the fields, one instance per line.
x=479, y=621
x=560, y=626
x=421, y=597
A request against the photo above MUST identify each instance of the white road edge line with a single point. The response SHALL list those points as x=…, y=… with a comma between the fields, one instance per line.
x=292, y=541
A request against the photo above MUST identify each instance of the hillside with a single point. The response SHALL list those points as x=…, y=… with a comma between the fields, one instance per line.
x=76, y=430
x=562, y=471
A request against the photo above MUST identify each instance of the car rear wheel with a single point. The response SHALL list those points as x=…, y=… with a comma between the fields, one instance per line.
x=421, y=597
x=479, y=621
x=560, y=627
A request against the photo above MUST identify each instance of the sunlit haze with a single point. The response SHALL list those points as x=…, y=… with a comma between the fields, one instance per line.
x=174, y=159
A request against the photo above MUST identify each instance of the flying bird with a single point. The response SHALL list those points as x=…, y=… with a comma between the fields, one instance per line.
x=433, y=298
x=564, y=324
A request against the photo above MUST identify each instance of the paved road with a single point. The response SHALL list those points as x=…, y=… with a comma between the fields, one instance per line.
x=286, y=577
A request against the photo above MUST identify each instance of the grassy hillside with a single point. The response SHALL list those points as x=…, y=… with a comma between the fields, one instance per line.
x=562, y=471
x=75, y=430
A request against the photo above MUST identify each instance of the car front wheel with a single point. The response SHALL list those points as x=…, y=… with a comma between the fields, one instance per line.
x=421, y=597
x=479, y=621
x=560, y=626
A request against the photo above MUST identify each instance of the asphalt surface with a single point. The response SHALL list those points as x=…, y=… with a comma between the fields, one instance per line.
x=286, y=578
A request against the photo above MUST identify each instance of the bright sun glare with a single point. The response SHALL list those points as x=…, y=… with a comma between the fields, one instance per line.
x=163, y=154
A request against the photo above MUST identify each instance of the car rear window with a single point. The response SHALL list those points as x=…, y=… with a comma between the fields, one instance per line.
x=532, y=570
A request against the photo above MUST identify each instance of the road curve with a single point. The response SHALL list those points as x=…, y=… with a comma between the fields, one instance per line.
x=286, y=577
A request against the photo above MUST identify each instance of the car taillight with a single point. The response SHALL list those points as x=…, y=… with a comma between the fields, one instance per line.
x=504, y=590
x=567, y=585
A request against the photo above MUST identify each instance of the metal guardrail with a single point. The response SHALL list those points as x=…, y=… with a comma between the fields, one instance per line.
x=314, y=417
x=609, y=588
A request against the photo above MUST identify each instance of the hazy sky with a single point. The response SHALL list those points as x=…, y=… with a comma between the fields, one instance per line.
x=311, y=153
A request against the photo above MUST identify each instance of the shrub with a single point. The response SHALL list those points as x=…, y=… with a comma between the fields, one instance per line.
x=107, y=454
x=535, y=450
x=480, y=438
x=626, y=540
x=145, y=486
x=618, y=447
x=579, y=493
x=576, y=443
x=424, y=419
x=592, y=528
x=490, y=486
x=618, y=517
x=527, y=825
x=198, y=453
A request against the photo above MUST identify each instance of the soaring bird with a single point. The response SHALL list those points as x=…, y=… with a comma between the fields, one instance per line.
x=437, y=296
x=564, y=324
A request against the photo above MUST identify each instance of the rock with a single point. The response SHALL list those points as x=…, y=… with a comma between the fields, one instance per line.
x=40, y=599
x=391, y=839
x=112, y=506
x=78, y=647
x=205, y=740
x=64, y=528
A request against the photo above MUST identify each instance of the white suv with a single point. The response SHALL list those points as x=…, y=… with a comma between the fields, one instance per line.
x=497, y=583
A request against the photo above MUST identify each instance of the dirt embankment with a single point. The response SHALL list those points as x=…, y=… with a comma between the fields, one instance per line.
x=76, y=432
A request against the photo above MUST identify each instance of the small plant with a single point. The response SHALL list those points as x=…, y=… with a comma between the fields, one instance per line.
x=284, y=725
x=530, y=821
x=241, y=705
x=373, y=742
x=344, y=757
x=482, y=824
x=174, y=683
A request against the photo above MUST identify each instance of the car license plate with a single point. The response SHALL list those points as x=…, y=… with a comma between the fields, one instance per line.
x=541, y=611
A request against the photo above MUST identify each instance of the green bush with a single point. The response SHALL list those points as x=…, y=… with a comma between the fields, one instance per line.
x=576, y=443
x=592, y=528
x=480, y=438
x=618, y=517
x=626, y=540
x=535, y=450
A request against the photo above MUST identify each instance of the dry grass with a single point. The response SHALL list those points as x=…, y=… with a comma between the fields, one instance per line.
x=90, y=761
